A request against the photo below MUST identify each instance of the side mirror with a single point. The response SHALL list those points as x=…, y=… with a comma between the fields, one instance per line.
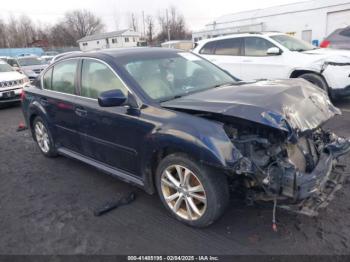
x=274, y=51
x=112, y=98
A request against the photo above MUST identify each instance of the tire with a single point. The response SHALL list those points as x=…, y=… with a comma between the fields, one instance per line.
x=43, y=140
x=207, y=190
x=316, y=80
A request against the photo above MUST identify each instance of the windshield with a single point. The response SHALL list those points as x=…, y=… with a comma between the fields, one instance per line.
x=175, y=74
x=28, y=61
x=5, y=67
x=292, y=43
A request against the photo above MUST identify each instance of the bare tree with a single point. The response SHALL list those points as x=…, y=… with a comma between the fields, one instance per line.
x=133, y=23
x=81, y=23
x=175, y=23
x=3, y=35
x=150, y=29
x=13, y=36
x=20, y=32
x=26, y=30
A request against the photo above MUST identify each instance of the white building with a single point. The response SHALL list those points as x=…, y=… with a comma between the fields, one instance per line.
x=310, y=20
x=121, y=38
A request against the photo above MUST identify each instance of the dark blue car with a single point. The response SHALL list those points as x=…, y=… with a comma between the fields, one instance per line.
x=170, y=121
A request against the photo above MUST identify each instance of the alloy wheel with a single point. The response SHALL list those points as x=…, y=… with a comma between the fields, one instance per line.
x=183, y=192
x=42, y=137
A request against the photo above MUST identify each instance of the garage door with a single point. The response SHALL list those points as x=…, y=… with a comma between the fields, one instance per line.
x=337, y=20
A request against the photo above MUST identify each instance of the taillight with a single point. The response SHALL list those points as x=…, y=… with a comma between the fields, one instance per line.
x=23, y=95
x=325, y=44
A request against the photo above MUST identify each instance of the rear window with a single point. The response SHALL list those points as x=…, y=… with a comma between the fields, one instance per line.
x=345, y=32
x=208, y=48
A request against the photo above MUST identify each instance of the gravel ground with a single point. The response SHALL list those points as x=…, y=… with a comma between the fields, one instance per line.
x=46, y=207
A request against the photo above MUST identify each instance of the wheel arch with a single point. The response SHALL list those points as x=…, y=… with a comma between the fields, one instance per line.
x=202, y=154
x=298, y=72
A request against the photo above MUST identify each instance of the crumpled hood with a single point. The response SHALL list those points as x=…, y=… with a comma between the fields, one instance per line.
x=292, y=105
x=323, y=56
x=327, y=52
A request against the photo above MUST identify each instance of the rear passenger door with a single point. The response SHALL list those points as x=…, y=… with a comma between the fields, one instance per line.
x=226, y=53
x=58, y=99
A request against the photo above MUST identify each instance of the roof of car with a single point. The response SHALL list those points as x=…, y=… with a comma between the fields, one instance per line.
x=239, y=35
x=122, y=52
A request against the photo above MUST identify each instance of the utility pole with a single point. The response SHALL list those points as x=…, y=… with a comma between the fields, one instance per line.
x=167, y=24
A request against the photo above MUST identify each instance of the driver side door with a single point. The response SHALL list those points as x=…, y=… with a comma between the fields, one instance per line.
x=109, y=135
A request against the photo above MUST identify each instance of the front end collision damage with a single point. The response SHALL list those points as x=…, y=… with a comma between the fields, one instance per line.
x=285, y=155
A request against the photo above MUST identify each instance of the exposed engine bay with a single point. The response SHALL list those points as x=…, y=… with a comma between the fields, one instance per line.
x=299, y=173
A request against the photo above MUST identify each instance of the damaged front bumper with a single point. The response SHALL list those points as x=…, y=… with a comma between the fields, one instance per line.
x=316, y=190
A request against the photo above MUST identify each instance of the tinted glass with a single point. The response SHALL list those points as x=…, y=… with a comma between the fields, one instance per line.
x=165, y=76
x=256, y=46
x=208, y=48
x=47, y=79
x=63, y=77
x=228, y=47
x=97, y=78
x=345, y=32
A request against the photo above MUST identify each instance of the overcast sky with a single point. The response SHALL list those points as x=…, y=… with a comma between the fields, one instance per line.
x=115, y=13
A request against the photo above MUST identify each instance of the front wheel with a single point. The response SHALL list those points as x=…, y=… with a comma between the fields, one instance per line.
x=192, y=193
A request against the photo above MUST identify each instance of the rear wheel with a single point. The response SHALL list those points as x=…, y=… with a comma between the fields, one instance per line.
x=43, y=137
x=316, y=80
x=191, y=192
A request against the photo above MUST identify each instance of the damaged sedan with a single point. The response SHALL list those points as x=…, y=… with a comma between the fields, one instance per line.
x=171, y=122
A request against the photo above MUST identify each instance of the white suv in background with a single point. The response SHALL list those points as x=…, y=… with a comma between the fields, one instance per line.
x=11, y=84
x=254, y=56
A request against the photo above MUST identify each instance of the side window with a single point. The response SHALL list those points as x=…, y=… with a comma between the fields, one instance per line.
x=12, y=62
x=98, y=78
x=47, y=80
x=229, y=47
x=256, y=46
x=208, y=48
x=63, y=77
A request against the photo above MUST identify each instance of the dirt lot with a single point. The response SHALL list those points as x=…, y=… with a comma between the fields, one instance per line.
x=46, y=207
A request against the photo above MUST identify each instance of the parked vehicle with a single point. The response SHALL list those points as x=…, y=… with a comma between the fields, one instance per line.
x=339, y=39
x=254, y=56
x=172, y=122
x=30, y=65
x=11, y=84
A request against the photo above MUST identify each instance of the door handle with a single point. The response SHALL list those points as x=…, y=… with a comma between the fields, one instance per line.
x=44, y=101
x=80, y=112
x=247, y=61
